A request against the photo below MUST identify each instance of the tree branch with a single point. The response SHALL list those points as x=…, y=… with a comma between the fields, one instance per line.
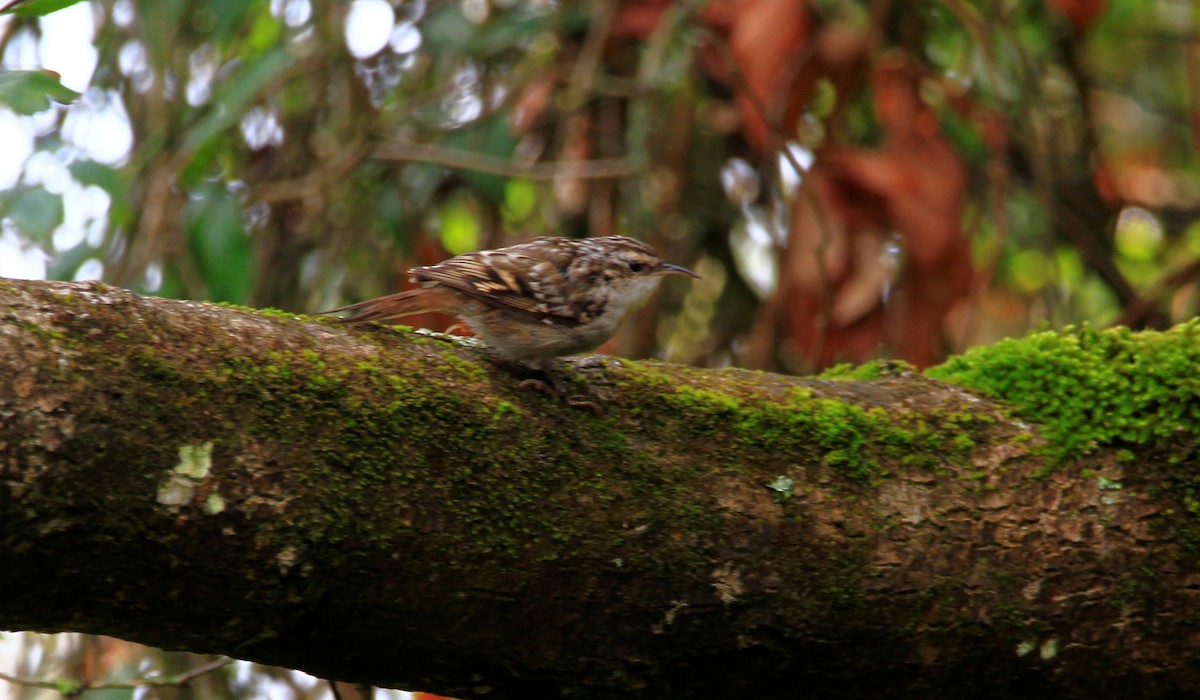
x=479, y=162
x=386, y=507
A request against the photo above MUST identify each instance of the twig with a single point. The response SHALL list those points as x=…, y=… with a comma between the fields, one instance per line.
x=71, y=689
x=584, y=73
x=1143, y=312
x=314, y=183
x=491, y=165
x=364, y=691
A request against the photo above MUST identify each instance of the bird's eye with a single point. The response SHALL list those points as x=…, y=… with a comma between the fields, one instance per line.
x=635, y=266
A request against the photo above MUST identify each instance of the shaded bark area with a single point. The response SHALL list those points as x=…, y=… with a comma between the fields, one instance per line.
x=390, y=507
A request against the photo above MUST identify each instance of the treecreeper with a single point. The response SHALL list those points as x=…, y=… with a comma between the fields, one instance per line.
x=533, y=301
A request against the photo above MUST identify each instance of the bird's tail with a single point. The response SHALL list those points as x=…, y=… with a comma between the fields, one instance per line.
x=399, y=305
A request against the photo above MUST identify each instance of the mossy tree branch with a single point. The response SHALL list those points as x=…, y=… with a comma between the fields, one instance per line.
x=388, y=507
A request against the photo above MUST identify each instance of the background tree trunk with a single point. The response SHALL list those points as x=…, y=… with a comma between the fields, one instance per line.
x=382, y=506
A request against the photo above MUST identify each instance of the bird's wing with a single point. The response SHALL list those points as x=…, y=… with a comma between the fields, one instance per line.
x=528, y=280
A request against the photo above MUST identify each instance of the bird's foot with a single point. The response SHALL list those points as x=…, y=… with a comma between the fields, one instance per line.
x=551, y=383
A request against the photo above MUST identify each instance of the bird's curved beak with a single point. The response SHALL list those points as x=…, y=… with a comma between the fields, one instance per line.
x=669, y=269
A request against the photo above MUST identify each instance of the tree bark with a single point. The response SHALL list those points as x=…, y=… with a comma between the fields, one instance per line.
x=395, y=508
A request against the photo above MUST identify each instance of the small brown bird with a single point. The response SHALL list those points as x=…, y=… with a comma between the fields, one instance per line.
x=533, y=301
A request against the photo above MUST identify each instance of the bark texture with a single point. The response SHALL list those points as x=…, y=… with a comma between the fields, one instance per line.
x=389, y=507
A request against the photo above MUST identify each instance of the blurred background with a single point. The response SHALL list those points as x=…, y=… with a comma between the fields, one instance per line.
x=851, y=178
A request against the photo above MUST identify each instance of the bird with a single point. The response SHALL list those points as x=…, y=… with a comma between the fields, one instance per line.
x=534, y=301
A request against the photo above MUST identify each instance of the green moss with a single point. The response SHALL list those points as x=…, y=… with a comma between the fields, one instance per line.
x=1137, y=393
x=1088, y=388
x=48, y=333
x=852, y=439
x=280, y=313
x=504, y=408
x=647, y=375
x=876, y=369
x=703, y=400
x=465, y=368
x=312, y=356
x=501, y=499
x=149, y=362
x=707, y=409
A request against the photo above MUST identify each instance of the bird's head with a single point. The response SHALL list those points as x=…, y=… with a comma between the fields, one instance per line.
x=631, y=267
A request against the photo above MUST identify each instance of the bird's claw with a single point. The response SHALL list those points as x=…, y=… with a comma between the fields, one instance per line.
x=556, y=388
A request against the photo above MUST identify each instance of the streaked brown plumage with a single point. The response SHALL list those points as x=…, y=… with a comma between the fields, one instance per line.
x=533, y=301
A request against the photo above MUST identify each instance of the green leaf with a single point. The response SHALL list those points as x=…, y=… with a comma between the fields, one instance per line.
x=67, y=688
x=505, y=32
x=32, y=8
x=35, y=211
x=266, y=32
x=159, y=22
x=229, y=104
x=520, y=199
x=448, y=29
x=112, y=181
x=172, y=286
x=460, y=227
x=218, y=241
x=30, y=91
x=232, y=96
x=65, y=264
x=228, y=18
